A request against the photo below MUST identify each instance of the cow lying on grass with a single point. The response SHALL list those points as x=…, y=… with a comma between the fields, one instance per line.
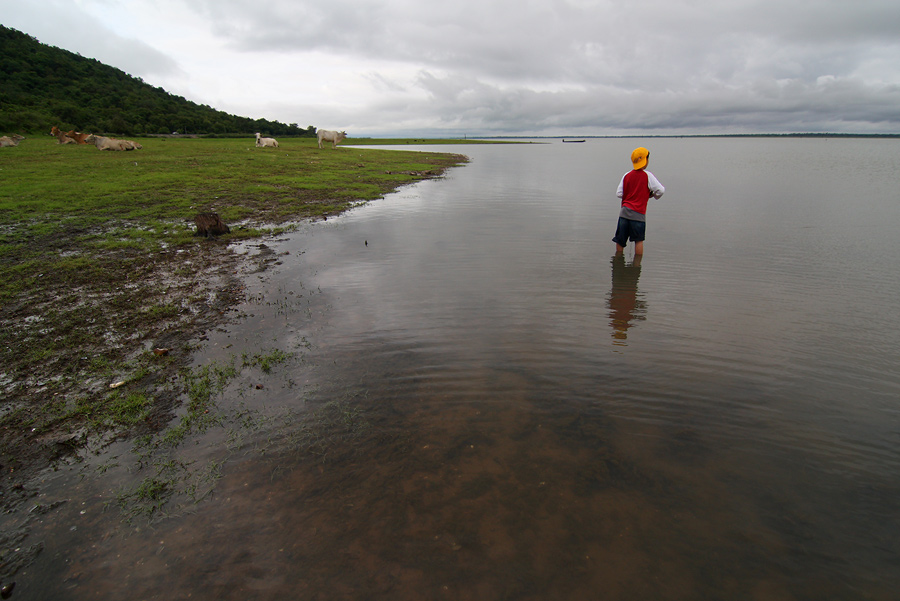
x=266, y=142
x=79, y=137
x=12, y=140
x=334, y=137
x=61, y=138
x=69, y=137
x=103, y=143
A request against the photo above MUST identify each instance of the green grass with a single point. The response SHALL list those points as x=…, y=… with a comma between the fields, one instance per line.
x=98, y=260
x=266, y=361
x=48, y=189
x=203, y=385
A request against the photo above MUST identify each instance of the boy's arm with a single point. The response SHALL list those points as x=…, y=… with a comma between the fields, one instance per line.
x=620, y=192
x=656, y=188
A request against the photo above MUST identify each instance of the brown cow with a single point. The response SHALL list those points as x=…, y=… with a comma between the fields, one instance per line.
x=61, y=138
x=76, y=136
x=79, y=137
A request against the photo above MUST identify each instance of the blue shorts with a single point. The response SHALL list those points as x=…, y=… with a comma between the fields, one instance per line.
x=628, y=228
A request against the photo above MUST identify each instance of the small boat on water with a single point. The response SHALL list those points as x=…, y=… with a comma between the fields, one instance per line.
x=571, y=141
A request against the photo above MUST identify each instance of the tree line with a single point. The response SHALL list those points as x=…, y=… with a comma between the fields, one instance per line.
x=43, y=86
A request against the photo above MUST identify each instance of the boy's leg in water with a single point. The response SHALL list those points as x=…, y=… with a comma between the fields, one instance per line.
x=639, y=248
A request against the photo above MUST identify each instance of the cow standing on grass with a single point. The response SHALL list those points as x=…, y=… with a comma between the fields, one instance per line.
x=334, y=137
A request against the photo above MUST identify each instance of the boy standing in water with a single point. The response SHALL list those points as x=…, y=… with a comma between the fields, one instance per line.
x=635, y=190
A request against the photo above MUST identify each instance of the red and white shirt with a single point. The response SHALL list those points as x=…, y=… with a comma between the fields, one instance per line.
x=635, y=190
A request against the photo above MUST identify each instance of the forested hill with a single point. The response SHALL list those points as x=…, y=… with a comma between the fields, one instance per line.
x=44, y=86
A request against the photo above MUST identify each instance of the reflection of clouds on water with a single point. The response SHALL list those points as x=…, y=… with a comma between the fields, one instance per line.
x=623, y=302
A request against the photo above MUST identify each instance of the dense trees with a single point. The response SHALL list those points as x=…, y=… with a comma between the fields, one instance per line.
x=44, y=86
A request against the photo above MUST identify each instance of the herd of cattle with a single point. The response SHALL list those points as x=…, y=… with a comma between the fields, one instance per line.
x=104, y=143
x=101, y=142
x=323, y=135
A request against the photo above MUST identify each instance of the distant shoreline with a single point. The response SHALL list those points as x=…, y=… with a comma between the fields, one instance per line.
x=367, y=140
x=796, y=135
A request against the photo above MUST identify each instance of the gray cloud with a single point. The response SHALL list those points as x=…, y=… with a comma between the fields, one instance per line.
x=549, y=66
x=558, y=39
x=63, y=24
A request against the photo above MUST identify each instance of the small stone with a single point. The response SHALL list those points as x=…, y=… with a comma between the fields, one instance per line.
x=210, y=224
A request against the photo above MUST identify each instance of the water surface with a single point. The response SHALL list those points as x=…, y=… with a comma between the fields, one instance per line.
x=503, y=409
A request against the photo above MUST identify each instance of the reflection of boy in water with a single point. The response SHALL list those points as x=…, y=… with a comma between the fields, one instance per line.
x=635, y=190
x=624, y=307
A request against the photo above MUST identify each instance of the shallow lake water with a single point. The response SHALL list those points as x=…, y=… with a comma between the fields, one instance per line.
x=483, y=402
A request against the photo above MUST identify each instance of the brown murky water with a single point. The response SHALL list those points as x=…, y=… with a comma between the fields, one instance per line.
x=482, y=403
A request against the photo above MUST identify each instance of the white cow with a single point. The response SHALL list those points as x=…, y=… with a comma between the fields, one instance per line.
x=13, y=140
x=270, y=142
x=104, y=143
x=334, y=137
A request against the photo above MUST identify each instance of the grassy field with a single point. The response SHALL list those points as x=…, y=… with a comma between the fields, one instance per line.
x=103, y=285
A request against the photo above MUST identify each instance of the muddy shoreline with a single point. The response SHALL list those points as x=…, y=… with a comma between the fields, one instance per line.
x=204, y=281
x=29, y=454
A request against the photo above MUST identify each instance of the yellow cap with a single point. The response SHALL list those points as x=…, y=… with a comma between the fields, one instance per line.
x=639, y=157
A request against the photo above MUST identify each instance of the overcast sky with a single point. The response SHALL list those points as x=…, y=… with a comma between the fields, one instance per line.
x=496, y=67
